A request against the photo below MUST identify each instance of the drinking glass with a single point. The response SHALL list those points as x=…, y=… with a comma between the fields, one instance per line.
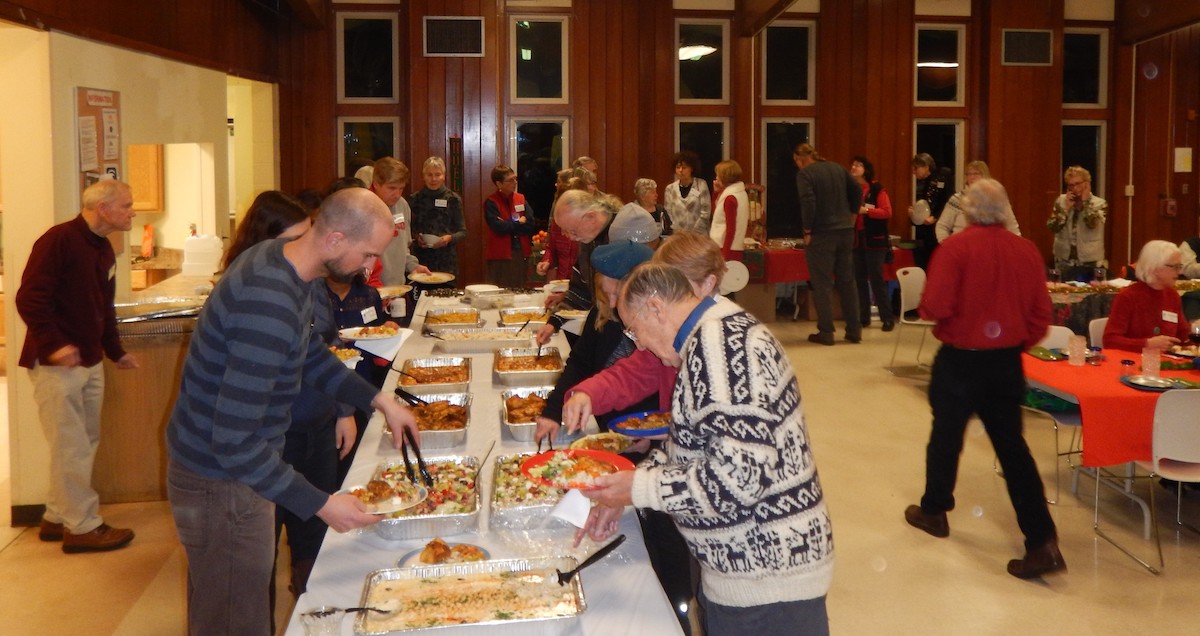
x=1194, y=333
x=322, y=621
x=1053, y=275
x=1077, y=350
x=1151, y=359
x=1100, y=274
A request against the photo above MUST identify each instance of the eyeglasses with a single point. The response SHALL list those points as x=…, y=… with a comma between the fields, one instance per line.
x=629, y=334
x=1176, y=266
x=511, y=179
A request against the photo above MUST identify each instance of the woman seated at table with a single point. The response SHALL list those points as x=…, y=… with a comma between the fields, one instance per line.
x=1149, y=312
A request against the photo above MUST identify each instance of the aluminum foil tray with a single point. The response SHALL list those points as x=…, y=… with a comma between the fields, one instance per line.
x=475, y=321
x=507, y=317
x=517, y=516
x=427, y=526
x=482, y=340
x=366, y=623
x=444, y=387
x=533, y=377
x=440, y=439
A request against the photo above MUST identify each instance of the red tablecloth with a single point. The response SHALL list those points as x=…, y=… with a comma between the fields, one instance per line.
x=790, y=266
x=1117, y=420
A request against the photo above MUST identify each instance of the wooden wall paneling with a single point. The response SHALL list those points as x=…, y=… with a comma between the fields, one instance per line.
x=1153, y=139
x=1119, y=149
x=1144, y=19
x=662, y=131
x=1023, y=134
x=1185, y=186
x=744, y=131
x=835, y=52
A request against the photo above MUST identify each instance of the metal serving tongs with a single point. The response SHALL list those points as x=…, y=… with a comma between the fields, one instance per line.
x=410, y=398
x=410, y=441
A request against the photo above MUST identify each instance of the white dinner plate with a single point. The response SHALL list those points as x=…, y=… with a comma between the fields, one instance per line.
x=432, y=278
x=413, y=558
x=395, y=504
x=735, y=279
x=920, y=212
x=356, y=333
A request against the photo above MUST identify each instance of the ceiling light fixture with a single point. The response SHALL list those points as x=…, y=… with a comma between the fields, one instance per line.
x=695, y=51
x=937, y=64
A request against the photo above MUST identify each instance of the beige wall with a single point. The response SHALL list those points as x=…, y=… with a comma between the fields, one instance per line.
x=161, y=102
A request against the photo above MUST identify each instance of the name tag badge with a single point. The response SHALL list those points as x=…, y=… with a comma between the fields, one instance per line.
x=1170, y=316
x=440, y=203
x=941, y=185
x=520, y=207
x=869, y=206
x=369, y=315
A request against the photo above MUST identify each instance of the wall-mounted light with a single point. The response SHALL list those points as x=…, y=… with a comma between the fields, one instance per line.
x=526, y=54
x=937, y=64
x=695, y=51
x=524, y=24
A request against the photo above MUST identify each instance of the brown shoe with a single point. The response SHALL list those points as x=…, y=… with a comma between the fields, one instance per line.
x=1044, y=560
x=99, y=540
x=50, y=531
x=935, y=524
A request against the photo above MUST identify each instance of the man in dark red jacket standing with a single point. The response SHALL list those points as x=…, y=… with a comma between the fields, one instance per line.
x=987, y=292
x=509, y=228
x=66, y=302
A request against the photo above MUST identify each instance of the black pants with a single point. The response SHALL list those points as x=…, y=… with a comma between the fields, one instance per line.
x=989, y=383
x=868, y=277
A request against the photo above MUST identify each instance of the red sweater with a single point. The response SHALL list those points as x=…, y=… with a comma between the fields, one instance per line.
x=986, y=289
x=66, y=296
x=561, y=251
x=629, y=381
x=1140, y=312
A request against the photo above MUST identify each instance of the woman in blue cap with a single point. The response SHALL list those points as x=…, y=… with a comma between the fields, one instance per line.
x=602, y=342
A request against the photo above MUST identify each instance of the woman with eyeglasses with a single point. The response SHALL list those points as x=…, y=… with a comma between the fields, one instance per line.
x=509, y=226
x=954, y=217
x=1149, y=313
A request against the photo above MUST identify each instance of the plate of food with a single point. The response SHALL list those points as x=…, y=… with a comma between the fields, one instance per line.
x=349, y=357
x=394, y=291
x=437, y=552
x=432, y=278
x=380, y=332
x=608, y=442
x=1187, y=351
x=644, y=424
x=385, y=497
x=573, y=468
x=556, y=286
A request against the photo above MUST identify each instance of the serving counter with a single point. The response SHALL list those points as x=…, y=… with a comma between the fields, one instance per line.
x=623, y=594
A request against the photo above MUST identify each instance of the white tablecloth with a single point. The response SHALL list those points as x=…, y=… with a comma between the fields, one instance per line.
x=622, y=593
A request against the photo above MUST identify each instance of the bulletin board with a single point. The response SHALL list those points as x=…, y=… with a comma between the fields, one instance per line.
x=98, y=133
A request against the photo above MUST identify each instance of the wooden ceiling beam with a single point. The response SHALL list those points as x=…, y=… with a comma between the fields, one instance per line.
x=753, y=16
x=311, y=13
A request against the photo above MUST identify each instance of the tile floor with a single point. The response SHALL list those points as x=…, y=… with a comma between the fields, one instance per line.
x=869, y=430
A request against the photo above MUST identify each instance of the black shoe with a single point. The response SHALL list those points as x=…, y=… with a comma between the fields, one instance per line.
x=821, y=339
x=1044, y=560
x=865, y=322
x=888, y=325
x=934, y=524
x=854, y=339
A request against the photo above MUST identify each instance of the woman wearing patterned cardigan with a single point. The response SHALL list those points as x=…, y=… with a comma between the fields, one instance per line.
x=738, y=475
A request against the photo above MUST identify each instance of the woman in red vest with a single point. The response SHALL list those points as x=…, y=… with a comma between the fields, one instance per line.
x=508, y=230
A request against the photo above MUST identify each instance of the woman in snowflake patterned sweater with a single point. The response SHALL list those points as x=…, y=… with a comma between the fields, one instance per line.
x=738, y=475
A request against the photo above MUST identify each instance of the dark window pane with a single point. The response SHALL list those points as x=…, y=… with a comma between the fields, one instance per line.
x=1081, y=68
x=539, y=158
x=707, y=140
x=366, y=142
x=539, y=60
x=937, y=65
x=783, y=204
x=787, y=62
x=700, y=74
x=1081, y=147
x=939, y=141
x=368, y=58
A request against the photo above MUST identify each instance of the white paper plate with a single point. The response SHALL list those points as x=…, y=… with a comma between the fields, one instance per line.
x=395, y=504
x=355, y=333
x=920, y=212
x=736, y=277
x=413, y=558
x=432, y=278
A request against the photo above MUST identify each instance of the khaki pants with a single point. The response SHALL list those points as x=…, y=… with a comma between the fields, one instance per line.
x=69, y=401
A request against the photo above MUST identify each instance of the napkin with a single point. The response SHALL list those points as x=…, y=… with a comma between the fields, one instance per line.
x=573, y=508
x=385, y=348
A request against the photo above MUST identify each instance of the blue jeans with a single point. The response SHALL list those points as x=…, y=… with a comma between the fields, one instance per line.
x=228, y=532
x=805, y=618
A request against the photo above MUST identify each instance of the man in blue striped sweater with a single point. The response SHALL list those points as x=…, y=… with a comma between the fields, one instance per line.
x=251, y=354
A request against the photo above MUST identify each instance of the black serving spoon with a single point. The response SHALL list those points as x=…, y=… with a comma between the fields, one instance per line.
x=565, y=577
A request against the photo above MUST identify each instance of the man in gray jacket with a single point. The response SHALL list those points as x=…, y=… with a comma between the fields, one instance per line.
x=829, y=201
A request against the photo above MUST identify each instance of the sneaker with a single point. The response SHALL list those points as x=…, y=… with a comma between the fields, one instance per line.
x=50, y=531
x=101, y=539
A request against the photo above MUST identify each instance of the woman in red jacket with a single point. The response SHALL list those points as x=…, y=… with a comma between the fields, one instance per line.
x=1149, y=313
x=508, y=230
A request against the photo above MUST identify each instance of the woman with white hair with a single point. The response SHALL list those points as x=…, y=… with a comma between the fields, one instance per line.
x=1149, y=312
x=645, y=197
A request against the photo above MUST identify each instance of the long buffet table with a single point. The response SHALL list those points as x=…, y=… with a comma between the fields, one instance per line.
x=622, y=593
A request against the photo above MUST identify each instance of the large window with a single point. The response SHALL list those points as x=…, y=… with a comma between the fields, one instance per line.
x=938, y=78
x=943, y=140
x=538, y=145
x=789, y=54
x=1085, y=68
x=538, y=59
x=708, y=137
x=1083, y=145
x=781, y=136
x=702, y=72
x=367, y=49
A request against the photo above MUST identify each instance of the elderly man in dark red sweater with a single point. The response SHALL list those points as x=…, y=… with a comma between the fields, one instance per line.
x=66, y=301
x=987, y=292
